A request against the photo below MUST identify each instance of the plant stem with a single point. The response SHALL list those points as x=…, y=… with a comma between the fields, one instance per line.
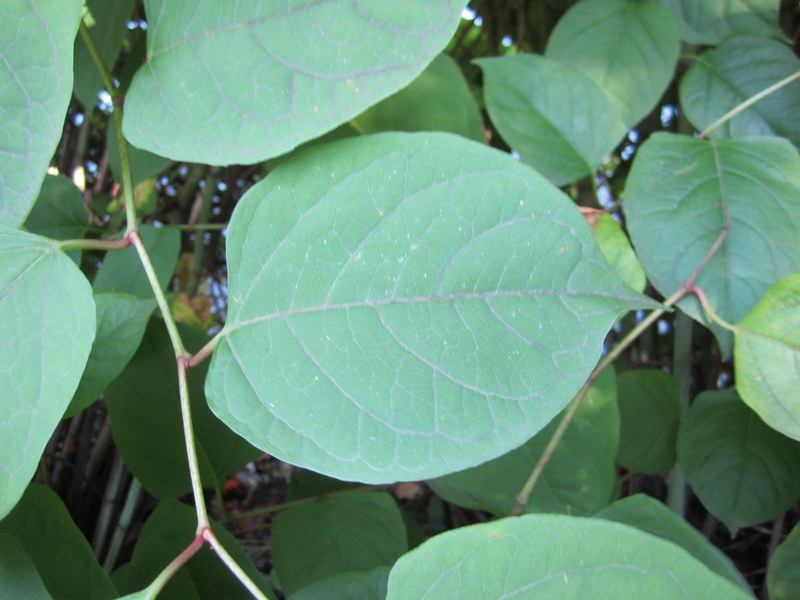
x=681, y=371
x=234, y=567
x=206, y=350
x=191, y=450
x=116, y=101
x=92, y=244
x=199, y=238
x=749, y=102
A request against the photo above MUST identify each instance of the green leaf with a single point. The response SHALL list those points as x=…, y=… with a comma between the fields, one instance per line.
x=144, y=405
x=783, y=572
x=437, y=100
x=122, y=270
x=18, y=573
x=305, y=484
x=35, y=89
x=649, y=410
x=579, y=478
x=300, y=70
x=121, y=321
x=651, y=516
x=743, y=471
x=558, y=119
x=708, y=22
x=42, y=525
x=723, y=78
x=674, y=198
x=166, y=533
x=107, y=24
x=422, y=305
x=58, y=212
x=360, y=585
x=316, y=540
x=554, y=557
x=628, y=48
x=47, y=325
x=618, y=252
x=767, y=355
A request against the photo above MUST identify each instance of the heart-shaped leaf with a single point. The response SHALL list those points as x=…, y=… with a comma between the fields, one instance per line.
x=628, y=48
x=301, y=69
x=35, y=89
x=767, y=344
x=47, y=326
x=554, y=557
x=407, y=305
x=676, y=199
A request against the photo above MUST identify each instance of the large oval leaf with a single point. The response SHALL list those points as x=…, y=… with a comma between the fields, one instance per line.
x=558, y=119
x=767, y=344
x=407, y=305
x=35, y=88
x=674, y=200
x=628, y=48
x=554, y=557
x=47, y=326
x=740, y=68
x=743, y=471
x=241, y=83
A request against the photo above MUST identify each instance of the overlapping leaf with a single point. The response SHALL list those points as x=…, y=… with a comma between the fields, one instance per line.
x=616, y=247
x=47, y=325
x=558, y=119
x=628, y=48
x=710, y=21
x=743, y=471
x=35, y=89
x=58, y=549
x=554, y=557
x=783, y=572
x=578, y=479
x=302, y=68
x=407, y=305
x=767, y=344
x=679, y=196
x=316, y=540
x=18, y=573
x=353, y=585
x=740, y=68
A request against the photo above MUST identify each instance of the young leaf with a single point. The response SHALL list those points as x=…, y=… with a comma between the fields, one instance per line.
x=143, y=404
x=708, y=22
x=558, y=119
x=358, y=585
x=767, y=355
x=47, y=325
x=554, y=557
x=18, y=573
x=743, y=471
x=740, y=68
x=650, y=410
x=121, y=320
x=628, y=48
x=616, y=247
x=64, y=559
x=355, y=532
x=579, y=478
x=651, y=516
x=407, y=305
x=437, y=100
x=783, y=572
x=36, y=86
x=166, y=533
x=674, y=201
x=227, y=85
